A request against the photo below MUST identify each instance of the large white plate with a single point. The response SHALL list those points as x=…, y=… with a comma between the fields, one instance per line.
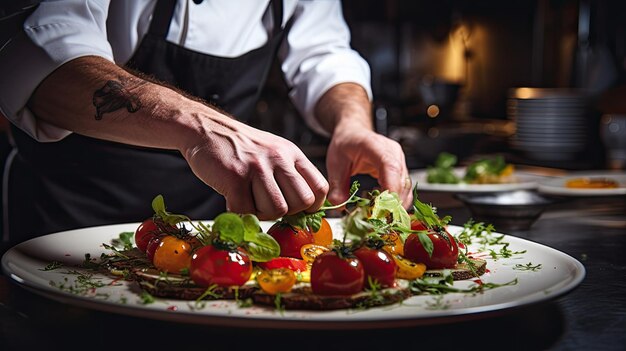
x=556, y=186
x=24, y=264
x=525, y=181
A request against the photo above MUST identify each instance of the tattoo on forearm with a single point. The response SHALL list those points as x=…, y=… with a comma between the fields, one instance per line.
x=114, y=95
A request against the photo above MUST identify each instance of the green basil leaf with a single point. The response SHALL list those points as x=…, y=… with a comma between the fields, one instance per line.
x=262, y=248
x=251, y=226
x=426, y=242
x=158, y=205
x=229, y=226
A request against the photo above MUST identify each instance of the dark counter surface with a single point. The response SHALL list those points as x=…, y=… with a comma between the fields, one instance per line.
x=591, y=317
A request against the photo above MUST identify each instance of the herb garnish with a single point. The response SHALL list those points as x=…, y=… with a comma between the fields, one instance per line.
x=146, y=298
x=52, y=266
x=209, y=292
x=528, y=267
x=278, y=303
x=434, y=286
x=437, y=303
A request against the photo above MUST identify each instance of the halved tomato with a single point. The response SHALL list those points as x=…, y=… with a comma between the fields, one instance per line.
x=290, y=263
x=274, y=281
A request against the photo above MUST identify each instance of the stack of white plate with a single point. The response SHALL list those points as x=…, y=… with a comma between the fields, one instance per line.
x=551, y=124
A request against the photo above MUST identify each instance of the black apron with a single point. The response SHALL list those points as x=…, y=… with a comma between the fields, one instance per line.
x=81, y=181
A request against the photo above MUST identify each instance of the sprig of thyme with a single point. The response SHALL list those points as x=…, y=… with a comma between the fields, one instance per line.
x=528, y=267
x=52, y=266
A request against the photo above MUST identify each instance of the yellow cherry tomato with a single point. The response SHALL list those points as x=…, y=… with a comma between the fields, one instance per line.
x=407, y=269
x=324, y=236
x=310, y=251
x=393, y=243
x=274, y=281
x=172, y=255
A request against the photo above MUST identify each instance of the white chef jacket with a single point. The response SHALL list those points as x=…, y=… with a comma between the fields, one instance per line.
x=315, y=56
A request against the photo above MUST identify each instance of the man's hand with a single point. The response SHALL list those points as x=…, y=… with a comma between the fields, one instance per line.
x=354, y=152
x=257, y=172
x=355, y=148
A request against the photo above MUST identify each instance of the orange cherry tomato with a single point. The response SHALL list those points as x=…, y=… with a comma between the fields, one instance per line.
x=274, y=281
x=407, y=269
x=172, y=255
x=310, y=251
x=393, y=243
x=324, y=236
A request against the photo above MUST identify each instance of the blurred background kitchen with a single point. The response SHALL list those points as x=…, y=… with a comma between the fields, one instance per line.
x=541, y=82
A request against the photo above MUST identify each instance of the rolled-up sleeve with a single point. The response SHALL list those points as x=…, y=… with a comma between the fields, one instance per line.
x=317, y=56
x=57, y=32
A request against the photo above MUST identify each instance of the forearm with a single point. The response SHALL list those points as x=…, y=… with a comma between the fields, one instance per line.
x=94, y=97
x=344, y=105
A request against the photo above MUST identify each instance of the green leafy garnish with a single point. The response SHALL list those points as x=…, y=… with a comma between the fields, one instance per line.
x=262, y=247
x=388, y=204
x=158, y=205
x=146, y=298
x=52, y=266
x=229, y=227
x=124, y=241
x=485, y=167
x=527, y=267
x=443, y=171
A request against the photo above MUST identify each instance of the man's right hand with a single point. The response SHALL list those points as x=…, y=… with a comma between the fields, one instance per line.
x=257, y=172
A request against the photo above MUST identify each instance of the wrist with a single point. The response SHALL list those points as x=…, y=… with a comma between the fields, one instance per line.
x=345, y=106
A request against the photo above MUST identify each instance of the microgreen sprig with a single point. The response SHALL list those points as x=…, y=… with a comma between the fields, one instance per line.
x=303, y=220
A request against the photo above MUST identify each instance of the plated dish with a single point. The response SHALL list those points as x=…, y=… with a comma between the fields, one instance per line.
x=595, y=183
x=540, y=273
x=524, y=181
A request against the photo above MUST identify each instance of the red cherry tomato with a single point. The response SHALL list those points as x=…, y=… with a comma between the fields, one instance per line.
x=445, y=250
x=153, y=244
x=211, y=265
x=417, y=225
x=146, y=231
x=290, y=239
x=333, y=275
x=293, y=264
x=378, y=265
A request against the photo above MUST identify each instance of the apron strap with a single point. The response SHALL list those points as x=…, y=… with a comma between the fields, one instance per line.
x=277, y=16
x=161, y=18
x=164, y=10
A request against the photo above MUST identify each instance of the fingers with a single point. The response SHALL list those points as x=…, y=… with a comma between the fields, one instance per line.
x=240, y=200
x=277, y=189
x=395, y=177
x=339, y=173
x=375, y=155
x=269, y=201
x=315, y=181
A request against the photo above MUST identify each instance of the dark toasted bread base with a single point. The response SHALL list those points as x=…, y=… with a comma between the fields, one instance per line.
x=302, y=298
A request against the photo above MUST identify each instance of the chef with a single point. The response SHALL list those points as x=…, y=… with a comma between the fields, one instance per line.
x=115, y=102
